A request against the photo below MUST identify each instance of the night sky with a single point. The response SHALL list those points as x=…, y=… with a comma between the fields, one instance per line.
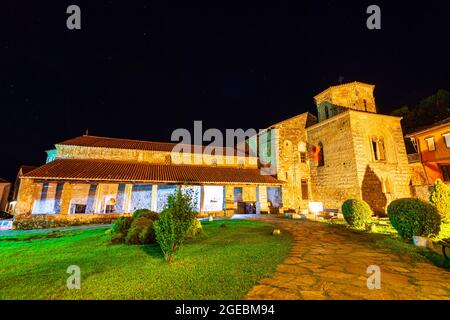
x=140, y=69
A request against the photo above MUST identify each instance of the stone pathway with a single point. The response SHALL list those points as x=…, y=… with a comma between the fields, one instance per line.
x=331, y=263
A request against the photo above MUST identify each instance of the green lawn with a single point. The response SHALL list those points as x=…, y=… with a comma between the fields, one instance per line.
x=385, y=236
x=221, y=263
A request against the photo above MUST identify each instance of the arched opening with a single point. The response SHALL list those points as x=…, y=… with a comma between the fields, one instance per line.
x=320, y=155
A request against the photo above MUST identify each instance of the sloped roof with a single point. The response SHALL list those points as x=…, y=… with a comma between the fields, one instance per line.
x=117, y=143
x=25, y=169
x=435, y=125
x=108, y=170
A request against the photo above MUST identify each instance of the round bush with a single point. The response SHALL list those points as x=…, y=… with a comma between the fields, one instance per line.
x=357, y=212
x=121, y=225
x=146, y=213
x=141, y=231
x=440, y=197
x=118, y=238
x=414, y=217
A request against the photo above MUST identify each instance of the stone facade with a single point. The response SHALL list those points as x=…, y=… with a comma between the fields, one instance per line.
x=156, y=157
x=363, y=153
x=336, y=99
x=337, y=179
x=292, y=163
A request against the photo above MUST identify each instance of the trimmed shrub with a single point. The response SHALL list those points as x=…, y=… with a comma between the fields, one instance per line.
x=118, y=238
x=122, y=225
x=120, y=228
x=175, y=222
x=141, y=231
x=414, y=217
x=146, y=213
x=440, y=197
x=357, y=212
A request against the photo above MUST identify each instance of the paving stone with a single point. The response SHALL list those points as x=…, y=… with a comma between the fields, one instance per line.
x=328, y=263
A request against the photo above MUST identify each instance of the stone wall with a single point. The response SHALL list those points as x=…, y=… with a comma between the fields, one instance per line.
x=418, y=176
x=384, y=180
x=42, y=221
x=291, y=141
x=355, y=95
x=157, y=157
x=337, y=179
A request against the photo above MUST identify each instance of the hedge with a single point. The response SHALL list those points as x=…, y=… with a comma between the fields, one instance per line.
x=414, y=217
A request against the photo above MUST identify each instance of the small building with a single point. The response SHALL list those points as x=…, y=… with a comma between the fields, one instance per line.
x=432, y=144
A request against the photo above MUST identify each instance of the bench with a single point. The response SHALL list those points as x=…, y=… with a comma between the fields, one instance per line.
x=329, y=213
x=445, y=244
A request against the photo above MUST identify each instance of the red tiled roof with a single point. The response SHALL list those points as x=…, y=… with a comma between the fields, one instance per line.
x=107, y=170
x=25, y=169
x=116, y=143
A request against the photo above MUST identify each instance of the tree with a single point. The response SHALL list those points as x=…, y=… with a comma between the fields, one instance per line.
x=440, y=197
x=175, y=222
x=428, y=111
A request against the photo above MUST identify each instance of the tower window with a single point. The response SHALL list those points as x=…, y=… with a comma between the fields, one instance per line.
x=327, y=113
x=365, y=105
x=320, y=156
x=379, y=152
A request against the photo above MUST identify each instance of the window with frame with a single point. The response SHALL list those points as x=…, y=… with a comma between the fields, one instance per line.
x=303, y=157
x=378, y=149
x=430, y=144
x=327, y=113
x=446, y=137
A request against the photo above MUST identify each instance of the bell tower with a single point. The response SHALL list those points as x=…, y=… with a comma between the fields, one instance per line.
x=337, y=99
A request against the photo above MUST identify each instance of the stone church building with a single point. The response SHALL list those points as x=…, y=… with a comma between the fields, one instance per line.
x=347, y=151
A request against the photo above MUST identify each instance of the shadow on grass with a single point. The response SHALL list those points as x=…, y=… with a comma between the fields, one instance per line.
x=49, y=235
x=153, y=250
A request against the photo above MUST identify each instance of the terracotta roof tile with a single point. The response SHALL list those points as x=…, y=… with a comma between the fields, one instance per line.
x=107, y=170
x=116, y=143
x=25, y=169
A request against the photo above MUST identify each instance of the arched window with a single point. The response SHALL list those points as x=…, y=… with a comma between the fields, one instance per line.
x=320, y=155
x=327, y=113
x=378, y=149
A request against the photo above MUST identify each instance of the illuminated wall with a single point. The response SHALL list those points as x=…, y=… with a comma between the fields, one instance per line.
x=213, y=198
